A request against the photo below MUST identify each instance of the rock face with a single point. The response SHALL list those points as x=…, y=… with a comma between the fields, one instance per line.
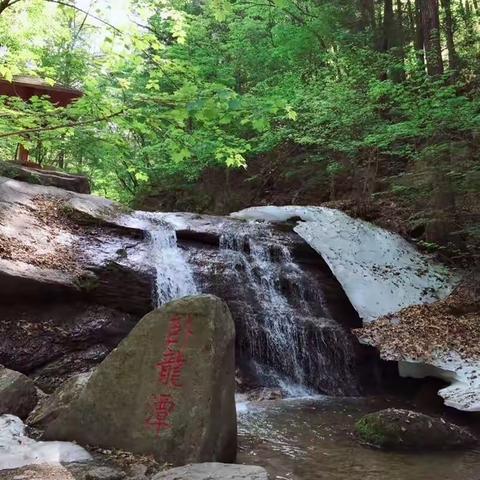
x=292, y=318
x=17, y=450
x=167, y=390
x=214, y=471
x=50, y=407
x=51, y=178
x=78, y=271
x=18, y=395
x=404, y=429
x=75, y=277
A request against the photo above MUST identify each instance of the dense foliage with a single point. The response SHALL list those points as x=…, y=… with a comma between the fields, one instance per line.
x=382, y=94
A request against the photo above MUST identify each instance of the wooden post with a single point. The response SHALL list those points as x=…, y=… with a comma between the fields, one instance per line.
x=22, y=155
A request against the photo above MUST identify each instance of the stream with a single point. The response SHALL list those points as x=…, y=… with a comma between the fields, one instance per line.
x=312, y=439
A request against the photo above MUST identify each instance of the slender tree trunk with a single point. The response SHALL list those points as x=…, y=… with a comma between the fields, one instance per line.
x=466, y=13
x=449, y=34
x=367, y=14
x=400, y=40
x=411, y=19
x=419, y=36
x=431, y=31
x=388, y=26
x=392, y=39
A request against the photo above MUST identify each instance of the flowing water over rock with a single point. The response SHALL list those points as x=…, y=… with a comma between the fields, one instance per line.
x=285, y=332
x=173, y=275
x=312, y=439
x=291, y=319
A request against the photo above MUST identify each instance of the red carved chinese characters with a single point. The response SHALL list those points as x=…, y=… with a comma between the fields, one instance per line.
x=170, y=371
x=170, y=368
x=161, y=408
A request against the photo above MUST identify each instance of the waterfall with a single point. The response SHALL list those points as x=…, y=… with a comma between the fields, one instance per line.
x=174, y=277
x=289, y=343
x=286, y=335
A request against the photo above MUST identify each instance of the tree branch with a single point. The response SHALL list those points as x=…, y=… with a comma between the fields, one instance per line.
x=58, y=127
x=66, y=4
x=4, y=4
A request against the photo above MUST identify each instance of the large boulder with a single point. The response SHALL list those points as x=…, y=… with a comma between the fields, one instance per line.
x=403, y=429
x=213, y=471
x=18, y=395
x=167, y=390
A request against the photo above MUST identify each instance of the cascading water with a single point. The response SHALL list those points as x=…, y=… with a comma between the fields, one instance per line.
x=285, y=338
x=174, y=275
x=286, y=335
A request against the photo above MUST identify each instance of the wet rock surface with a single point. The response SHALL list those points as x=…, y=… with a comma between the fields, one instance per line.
x=214, y=471
x=272, y=282
x=167, y=390
x=54, y=340
x=407, y=430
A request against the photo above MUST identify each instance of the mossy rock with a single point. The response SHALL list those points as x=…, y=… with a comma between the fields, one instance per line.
x=397, y=429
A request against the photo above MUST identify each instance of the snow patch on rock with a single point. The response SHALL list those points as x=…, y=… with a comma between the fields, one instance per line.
x=17, y=450
x=380, y=271
x=463, y=393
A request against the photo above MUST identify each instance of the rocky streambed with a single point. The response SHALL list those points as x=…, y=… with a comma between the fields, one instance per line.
x=314, y=438
x=78, y=273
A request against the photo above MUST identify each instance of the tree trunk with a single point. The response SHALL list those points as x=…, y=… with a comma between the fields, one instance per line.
x=392, y=38
x=449, y=34
x=367, y=14
x=411, y=19
x=419, y=36
x=431, y=32
x=400, y=41
x=388, y=26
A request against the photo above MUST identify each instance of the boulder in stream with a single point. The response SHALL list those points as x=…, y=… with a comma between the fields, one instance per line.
x=18, y=395
x=399, y=429
x=167, y=389
x=214, y=471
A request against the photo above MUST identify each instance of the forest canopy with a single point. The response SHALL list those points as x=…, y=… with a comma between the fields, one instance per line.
x=381, y=94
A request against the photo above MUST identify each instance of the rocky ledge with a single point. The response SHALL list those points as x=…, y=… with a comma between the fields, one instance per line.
x=75, y=277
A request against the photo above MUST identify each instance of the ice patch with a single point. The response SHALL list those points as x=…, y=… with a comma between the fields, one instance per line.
x=17, y=450
x=463, y=393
